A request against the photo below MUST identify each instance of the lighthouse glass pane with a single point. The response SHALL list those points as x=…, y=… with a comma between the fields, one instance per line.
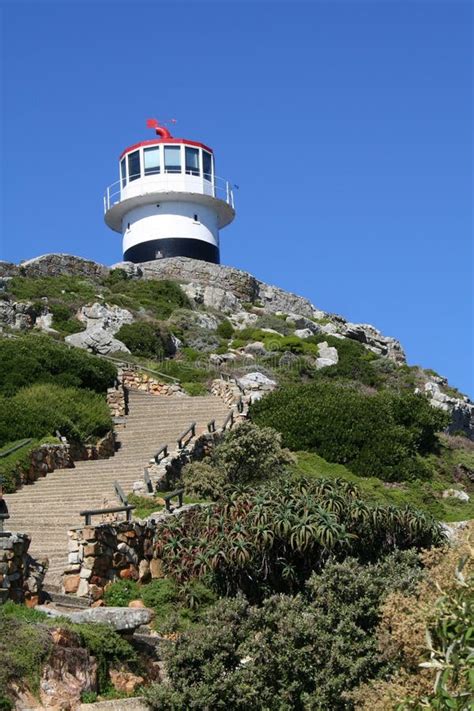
x=192, y=161
x=173, y=159
x=134, y=165
x=207, y=165
x=123, y=172
x=151, y=159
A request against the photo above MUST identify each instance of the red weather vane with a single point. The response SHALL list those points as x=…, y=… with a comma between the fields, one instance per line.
x=160, y=127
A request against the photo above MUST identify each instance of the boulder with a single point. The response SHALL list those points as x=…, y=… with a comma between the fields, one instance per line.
x=122, y=619
x=243, y=319
x=17, y=316
x=456, y=494
x=213, y=297
x=110, y=318
x=257, y=381
x=302, y=322
x=374, y=340
x=303, y=332
x=97, y=340
x=257, y=348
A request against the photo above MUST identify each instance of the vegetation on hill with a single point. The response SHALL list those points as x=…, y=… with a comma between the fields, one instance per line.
x=381, y=434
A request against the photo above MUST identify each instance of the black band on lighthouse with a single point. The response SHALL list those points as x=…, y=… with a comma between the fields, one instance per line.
x=172, y=247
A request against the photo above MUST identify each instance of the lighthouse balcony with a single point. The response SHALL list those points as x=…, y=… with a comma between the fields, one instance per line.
x=124, y=195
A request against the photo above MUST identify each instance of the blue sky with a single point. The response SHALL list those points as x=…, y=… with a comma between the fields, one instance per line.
x=347, y=126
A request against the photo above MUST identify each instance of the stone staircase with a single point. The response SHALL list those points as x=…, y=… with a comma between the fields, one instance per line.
x=46, y=509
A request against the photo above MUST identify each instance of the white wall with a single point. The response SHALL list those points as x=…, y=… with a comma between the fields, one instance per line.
x=171, y=219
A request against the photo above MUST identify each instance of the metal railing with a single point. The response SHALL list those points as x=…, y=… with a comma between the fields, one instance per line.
x=115, y=509
x=163, y=450
x=3, y=518
x=167, y=499
x=191, y=430
x=15, y=447
x=120, y=493
x=168, y=182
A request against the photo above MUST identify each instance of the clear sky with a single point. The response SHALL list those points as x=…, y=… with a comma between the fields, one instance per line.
x=346, y=125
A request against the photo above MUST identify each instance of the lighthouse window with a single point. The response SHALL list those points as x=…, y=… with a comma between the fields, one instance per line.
x=123, y=172
x=207, y=165
x=173, y=159
x=134, y=165
x=151, y=159
x=192, y=161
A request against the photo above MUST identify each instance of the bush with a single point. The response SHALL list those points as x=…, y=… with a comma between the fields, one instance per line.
x=121, y=592
x=146, y=339
x=40, y=410
x=32, y=359
x=64, y=319
x=225, y=329
x=374, y=435
x=160, y=298
x=176, y=608
x=290, y=653
x=203, y=481
x=70, y=289
x=195, y=389
x=273, y=538
x=107, y=646
x=251, y=453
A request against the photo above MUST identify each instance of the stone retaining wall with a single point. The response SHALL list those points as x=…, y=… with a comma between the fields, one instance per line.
x=124, y=550
x=44, y=459
x=136, y=379
x=21, y=577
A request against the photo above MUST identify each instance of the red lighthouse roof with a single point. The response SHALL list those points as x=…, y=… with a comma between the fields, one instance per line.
x=164, y=137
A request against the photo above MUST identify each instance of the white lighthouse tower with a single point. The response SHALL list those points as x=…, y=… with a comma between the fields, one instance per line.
x=168, y=201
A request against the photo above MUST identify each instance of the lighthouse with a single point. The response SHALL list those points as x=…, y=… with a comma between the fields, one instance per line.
x=168, y=200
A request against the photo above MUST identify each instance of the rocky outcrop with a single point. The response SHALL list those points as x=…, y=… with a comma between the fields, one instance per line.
x=328, y=356
x=16, y=315
x=461, y=410
x=102, y=323
x=121, y=619
x=59, y=265
x=374, y=340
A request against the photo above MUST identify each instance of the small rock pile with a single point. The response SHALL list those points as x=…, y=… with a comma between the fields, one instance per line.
x=21, y=577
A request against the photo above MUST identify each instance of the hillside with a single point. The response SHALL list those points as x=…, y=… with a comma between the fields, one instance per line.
x=192, y=321
x=310, y=562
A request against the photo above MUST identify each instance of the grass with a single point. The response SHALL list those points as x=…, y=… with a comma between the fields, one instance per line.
x=425, y=495
x=145, y=505
x=18, y=460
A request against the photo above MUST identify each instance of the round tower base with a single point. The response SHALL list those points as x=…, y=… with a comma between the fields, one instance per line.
x=172, y=247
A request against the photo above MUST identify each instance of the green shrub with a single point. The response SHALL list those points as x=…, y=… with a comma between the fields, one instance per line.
x=107, y=646
x=159, y=593
x=274, y=537
x=290, y=653
x=70, y=289
x=203, y=481
x=251, y=453
x=40, y=410
x=64, y=319
x=115, y=277
x=160, y=298
x=147, y=339
x=374, y=435
x=225, y=329
x=121, y=592
x=33, y=358
x=176, y=608
x=195, y=389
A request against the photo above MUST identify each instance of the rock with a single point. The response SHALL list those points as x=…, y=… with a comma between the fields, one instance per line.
x=16, y=315
x=461, y=410
x=69, y=672
x=303, y=332
x=213, y=297
x=122, y=619
x=456, y=494
x=133, y=271
x=137, y=604
x=302, y=322
x=71, y=583
x=256, y=348
x=60, y=264
x=110, y=318
x=243, y=319
x=124, y=681
x=45, y=322
x=329, y=328
x=372, y=338
x=257, y=381
x=97, y=340
x=328, y=353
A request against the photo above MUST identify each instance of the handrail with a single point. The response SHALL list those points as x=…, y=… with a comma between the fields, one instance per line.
x=115, y=509
x=240, y=405
x=3, y=518
x=229, y=420
x=191, y=429
x=147, y=480
x=162, y=450
x=167, y=499
x=211, y=426
x=216, y=187
x=120, y=493
x=15, y=447
x=121, y=361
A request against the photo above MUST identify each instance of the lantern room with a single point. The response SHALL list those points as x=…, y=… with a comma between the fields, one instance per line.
x=168, y=201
